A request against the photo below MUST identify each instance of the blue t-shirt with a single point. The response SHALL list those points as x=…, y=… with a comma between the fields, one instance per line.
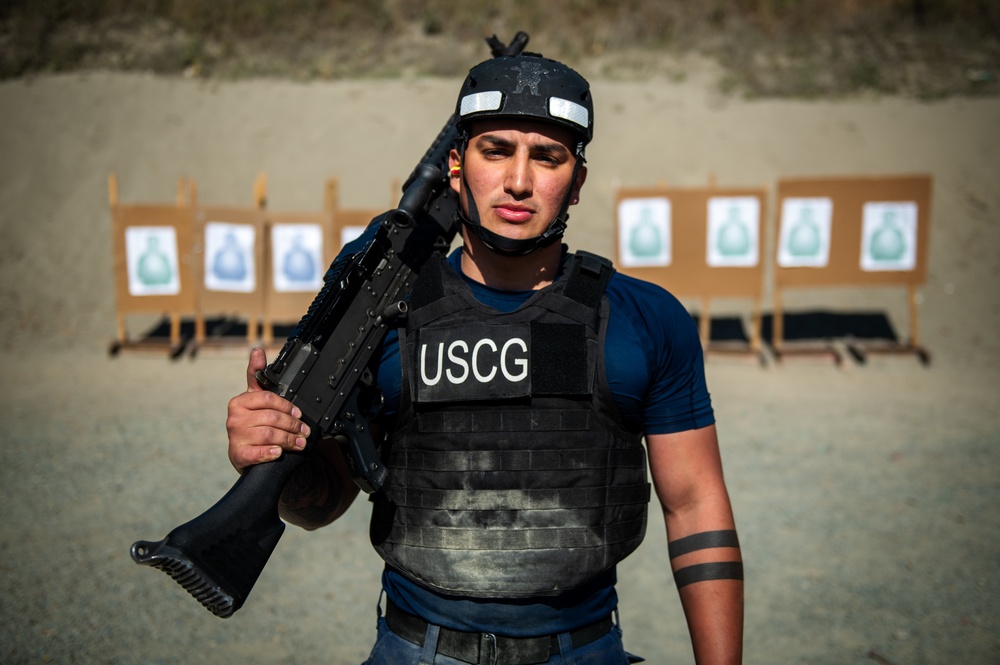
x=656, y=372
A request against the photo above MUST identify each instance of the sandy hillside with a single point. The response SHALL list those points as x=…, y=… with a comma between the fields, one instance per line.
x=865, y=494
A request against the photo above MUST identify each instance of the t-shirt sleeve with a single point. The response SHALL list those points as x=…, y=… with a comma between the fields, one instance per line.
x=654, y=360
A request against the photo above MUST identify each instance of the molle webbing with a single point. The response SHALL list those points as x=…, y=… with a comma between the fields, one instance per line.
x=486, y=498
x=504, y=421
x=523, y=539
x=485, y=461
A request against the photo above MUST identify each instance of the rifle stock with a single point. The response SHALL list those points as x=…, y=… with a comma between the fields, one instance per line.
x=218, y=556
x=323, y=368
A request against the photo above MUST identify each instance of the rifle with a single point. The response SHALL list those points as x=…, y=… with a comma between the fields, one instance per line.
x=324, y=367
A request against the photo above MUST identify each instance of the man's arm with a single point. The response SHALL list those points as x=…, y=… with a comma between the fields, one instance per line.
x=261, y=425
x=320, y=491
x=687, y=474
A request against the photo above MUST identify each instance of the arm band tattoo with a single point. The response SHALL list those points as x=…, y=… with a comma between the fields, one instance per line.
x=702, y=572
x=702, y=541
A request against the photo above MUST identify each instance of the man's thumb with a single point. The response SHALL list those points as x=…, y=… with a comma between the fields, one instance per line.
x=258, y=361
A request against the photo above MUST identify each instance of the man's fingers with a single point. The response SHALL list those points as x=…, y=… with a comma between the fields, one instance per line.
x=262, y=400
x=267, y=454
x=257, y=362
x=282, y=422
x=282, y=433
x=256, y=414
x=247, y=456
x=264, y=443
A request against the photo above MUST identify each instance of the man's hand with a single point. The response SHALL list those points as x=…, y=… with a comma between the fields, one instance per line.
x=260, y=423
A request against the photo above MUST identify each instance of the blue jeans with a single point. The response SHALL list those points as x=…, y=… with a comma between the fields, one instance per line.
x=391, y=649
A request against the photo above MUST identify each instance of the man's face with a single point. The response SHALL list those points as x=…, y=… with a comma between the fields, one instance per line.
x=519, y=172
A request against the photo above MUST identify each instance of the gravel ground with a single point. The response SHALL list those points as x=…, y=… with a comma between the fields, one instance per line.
x=864, y=499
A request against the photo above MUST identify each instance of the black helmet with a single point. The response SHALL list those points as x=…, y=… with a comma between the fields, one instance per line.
x=528, y=85
x=525, y=86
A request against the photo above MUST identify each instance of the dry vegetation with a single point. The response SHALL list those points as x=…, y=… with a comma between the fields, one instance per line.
x=801, y=48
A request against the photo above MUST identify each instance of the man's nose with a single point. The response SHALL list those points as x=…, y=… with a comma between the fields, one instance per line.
x=518, y=181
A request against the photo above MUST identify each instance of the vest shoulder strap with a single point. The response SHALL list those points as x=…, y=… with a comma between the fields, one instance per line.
x=587, y=276
x=429, y=285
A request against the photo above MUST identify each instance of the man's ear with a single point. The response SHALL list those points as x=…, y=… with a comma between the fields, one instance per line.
x=454, y=177
x=581, y=177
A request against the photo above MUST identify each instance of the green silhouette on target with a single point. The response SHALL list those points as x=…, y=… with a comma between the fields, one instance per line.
x=154, y=266
x=887, y=243
x=803, y=240
x=645, y=239
x=733, y=238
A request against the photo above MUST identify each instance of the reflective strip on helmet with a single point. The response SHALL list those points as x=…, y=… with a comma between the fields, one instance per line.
x=567, y=110
x=481, y=101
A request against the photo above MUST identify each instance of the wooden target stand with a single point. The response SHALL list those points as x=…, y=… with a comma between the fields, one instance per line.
x=153, y=272
x=689, y=274
x=193, y=290
x=284, y=307
x=222, y=309
x=844, y=266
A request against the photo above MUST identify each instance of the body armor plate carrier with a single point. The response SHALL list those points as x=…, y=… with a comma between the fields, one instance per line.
x=510, y=472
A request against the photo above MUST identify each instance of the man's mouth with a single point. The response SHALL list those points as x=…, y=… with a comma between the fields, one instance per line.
x=513, y=213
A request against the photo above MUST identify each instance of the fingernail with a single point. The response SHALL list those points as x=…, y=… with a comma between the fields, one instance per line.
x=296, y=412
x=275, y=452
x=305, y=429
x=300, y=443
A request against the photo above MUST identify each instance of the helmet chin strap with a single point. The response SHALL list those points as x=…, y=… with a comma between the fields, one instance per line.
x=516, y=246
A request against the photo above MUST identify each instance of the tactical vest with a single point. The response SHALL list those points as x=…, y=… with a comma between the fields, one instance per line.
x=510, y=472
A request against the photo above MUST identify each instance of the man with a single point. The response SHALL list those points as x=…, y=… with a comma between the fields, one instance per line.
x=518, y=392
